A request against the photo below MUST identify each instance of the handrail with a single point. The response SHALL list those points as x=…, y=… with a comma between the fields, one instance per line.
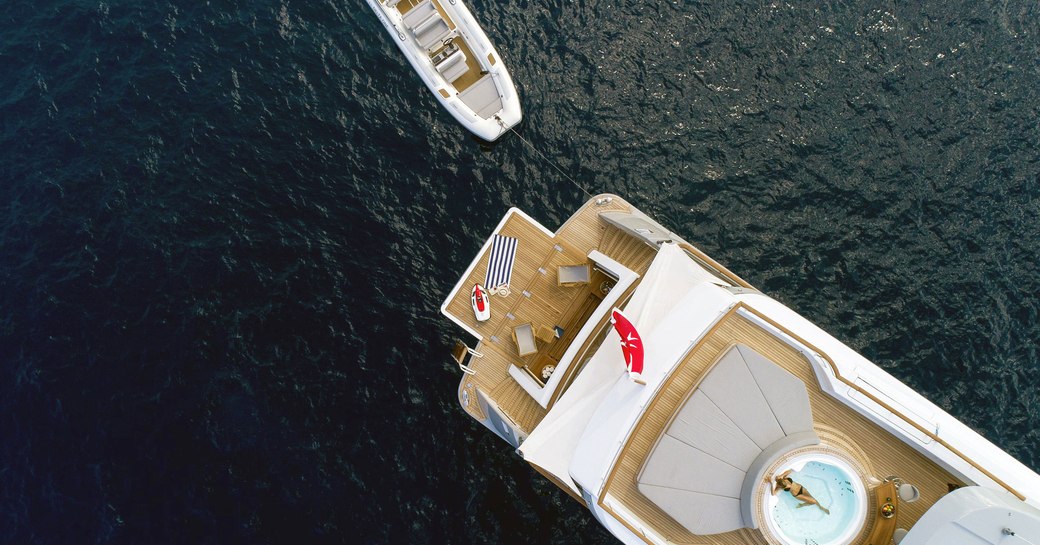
x=852, y=385
x=604, y=491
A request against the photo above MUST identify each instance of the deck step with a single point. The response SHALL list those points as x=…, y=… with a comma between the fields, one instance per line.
x=626, y=249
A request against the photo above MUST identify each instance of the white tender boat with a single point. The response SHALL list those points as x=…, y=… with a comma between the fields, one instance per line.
x=453, y=56
x=753, y=427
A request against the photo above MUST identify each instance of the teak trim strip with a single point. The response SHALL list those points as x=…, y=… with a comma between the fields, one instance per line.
x=552, y=478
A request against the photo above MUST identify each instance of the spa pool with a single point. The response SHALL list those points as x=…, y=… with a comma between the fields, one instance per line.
x=835, y=485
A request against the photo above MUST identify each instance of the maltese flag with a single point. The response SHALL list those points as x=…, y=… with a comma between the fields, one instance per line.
x=631, y=345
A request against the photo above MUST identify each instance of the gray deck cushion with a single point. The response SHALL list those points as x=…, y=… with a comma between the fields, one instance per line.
x=483, y=97
x=789, y=405
x=701, y=422
x=706, y=513
x=746, y=413
x=730, y=385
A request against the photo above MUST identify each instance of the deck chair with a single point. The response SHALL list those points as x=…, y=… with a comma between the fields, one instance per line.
x=523, y=335
x=572, y=275
x=500, y=264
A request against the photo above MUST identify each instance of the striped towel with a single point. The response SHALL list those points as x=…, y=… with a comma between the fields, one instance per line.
x=500, y=265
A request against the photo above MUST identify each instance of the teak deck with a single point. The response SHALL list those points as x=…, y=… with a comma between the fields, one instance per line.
x=536, y=298
x=873, y=451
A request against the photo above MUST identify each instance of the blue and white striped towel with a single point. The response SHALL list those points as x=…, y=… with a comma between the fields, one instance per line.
x=500, y=265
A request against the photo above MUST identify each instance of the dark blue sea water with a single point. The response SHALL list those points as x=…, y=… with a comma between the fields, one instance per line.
x=226, y=228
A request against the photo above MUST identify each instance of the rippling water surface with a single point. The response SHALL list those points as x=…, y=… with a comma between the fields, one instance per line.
x=227, y=227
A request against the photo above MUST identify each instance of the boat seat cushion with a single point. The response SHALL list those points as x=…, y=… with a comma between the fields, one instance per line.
x=431, y=33
x=454, y=66
x=483, y=97
x=420, y=13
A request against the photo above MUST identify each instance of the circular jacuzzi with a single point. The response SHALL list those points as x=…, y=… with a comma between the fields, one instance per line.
x=834, y=484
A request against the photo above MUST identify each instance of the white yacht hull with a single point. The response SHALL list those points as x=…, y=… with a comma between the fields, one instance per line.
x=485, y=119
x=689, y=455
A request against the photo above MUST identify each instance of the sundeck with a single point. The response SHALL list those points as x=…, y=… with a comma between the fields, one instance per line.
x=450, y=52
x=754, y=426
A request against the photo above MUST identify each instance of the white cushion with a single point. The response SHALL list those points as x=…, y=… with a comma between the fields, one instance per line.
x=419, y=14
x=454, y=66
